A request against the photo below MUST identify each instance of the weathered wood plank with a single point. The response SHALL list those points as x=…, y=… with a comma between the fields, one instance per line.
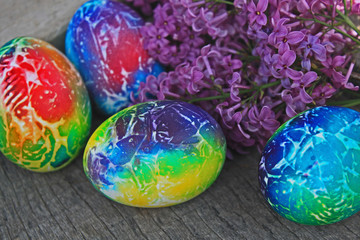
x=44, y=19
x=64, y=205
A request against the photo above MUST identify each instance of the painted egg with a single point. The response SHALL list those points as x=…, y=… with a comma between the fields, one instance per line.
x=45, y=112
x=310, y=168
x=103, y=41
x=155, y=154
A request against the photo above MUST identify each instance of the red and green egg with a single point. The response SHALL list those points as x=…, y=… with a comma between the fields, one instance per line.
x=45, y=112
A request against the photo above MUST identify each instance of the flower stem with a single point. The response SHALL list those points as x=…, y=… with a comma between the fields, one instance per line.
x=348, y=21
x=222, y=1
x=345, y=7
x=345, y=103
x=226, y=95
x=330, y=26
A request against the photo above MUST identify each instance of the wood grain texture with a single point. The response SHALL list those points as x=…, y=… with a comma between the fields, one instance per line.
x=64, y=205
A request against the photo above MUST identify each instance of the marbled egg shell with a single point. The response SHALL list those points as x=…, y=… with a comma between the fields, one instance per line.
x=310, y=168
x=104, y=43
x=45, y=112
x=155, y=154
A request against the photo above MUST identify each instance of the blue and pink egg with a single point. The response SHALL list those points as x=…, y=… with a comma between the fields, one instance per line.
x=104, y=43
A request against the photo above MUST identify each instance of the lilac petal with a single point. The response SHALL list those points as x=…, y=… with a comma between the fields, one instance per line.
x=286, y=96
x=261, y=19
x=205, y=50
x=252, y=17
x=320, y=52
x=309, y=77
x=197, y=75
x=313, y=39
x=280, y=25
x=327, y=63
x=234, y=94
x=272, y=38
x=338, y=77
x=305, y=97
x=295, y=84
x=329, y=90
x=288, y=58
x=206, y=16
x=235, y=77
x=303, y=44
x=193, y=88
x=160, y=96
x=247, y=136
x=252, y=115
x=295, y=37
x=338, y=61
x=262, y=5
x=265, y=112
x=290, y=111
x=293, y=74
x=270, y=124
x=238, y=117
x=214, y=53
x=283, y=47
x=306, y=63
x=275, y=73
x=251, y=128
x=251, y=7
x=351, y=86
x=286, y=83
x=303, y=6
x=307, y=52
x=236, y=64
x=198, y=25
x=282, y=32
x=262, y=35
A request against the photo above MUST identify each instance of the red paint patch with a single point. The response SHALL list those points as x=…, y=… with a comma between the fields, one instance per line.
x=124, y=51
x=35, y=78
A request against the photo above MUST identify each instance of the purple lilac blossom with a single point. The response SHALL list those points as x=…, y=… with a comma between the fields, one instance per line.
x=252, y=63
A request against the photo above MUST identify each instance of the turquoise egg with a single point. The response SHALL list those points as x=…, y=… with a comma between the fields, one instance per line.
x=310, y=168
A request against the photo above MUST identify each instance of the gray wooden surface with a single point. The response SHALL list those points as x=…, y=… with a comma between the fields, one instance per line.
x=64, y=205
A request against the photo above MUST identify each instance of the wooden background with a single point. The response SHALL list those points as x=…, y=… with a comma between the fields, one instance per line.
x=64, y=205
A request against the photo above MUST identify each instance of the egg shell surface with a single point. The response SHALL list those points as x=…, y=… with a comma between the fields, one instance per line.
x=45, y=112
x=104, y=43
x=310, y=168
x=155, y=154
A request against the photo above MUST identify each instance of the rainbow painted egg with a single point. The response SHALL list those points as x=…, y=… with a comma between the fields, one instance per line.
x=310, y=168
x=45, y=112
x=104, y=43
x=155, y=154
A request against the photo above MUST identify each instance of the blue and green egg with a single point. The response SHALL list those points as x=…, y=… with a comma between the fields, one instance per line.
x=310, y=168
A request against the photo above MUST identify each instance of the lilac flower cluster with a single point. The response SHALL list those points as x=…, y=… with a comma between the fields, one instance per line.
x=252, y=64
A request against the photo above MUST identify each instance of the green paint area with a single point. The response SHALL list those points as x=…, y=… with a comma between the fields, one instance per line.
x=176, y=163
x=33, y=151
x=3, y=133
x=49, y=155
x=61, y=157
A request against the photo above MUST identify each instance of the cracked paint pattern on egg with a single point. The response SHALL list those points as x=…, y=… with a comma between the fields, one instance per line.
x=45, y=109
x=310, y=168
x=103, y=41
x=155, y=154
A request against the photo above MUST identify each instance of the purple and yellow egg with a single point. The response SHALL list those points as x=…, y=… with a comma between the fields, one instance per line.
x=104, y=43
x=155, y=154
x=310, y=168
x=45, y=112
